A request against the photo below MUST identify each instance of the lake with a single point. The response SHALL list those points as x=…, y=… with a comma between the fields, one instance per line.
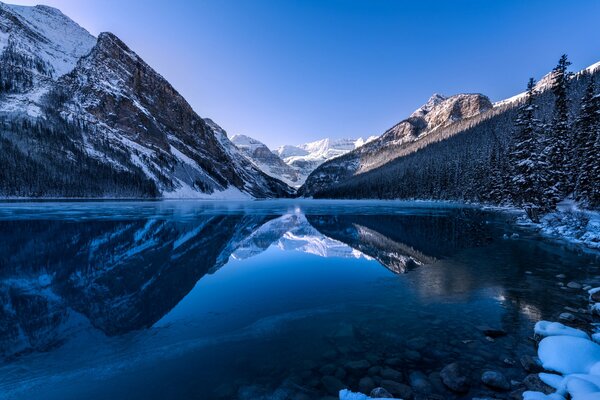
x=270, y=299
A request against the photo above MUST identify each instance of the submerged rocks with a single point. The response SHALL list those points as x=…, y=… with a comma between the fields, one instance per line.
x=366, y=384
x=533, y=383
x=495, y=380
x=531, y=364
x=420, y=383
x=574, y=285
x=566, y=316
x=380, y=393
x=391, y=374
x=357, y=366
x=332, y=384
x=397, y=389
x=492, y=332
x=456, y=378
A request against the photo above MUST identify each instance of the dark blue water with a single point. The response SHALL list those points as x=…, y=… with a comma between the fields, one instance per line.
x=262, y=300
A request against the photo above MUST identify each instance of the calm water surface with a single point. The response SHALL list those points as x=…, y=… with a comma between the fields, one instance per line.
x=262, y=300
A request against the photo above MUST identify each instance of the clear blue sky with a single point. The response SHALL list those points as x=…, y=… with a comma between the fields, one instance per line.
x=290, y=71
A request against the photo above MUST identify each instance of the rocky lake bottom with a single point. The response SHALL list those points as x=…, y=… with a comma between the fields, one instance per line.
x=278, y=300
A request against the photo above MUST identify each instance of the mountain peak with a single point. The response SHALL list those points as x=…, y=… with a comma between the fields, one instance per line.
x=433, y=101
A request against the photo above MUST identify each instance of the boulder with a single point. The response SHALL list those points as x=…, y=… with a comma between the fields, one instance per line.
x=456, y=378
x=495, y=380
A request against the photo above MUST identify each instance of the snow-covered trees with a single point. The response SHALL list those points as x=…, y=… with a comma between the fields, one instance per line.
x=527, y=181
x=558, y=138
x=585, y=139
x=532, y=153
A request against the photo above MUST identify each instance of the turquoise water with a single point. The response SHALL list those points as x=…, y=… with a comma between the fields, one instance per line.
x=182, y=300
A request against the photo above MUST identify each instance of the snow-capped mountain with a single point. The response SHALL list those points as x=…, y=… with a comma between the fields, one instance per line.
x=293, y=164
x=266, y=160
x=305, y=158
x=426, y=124
x=459, y=147
x=102, y=122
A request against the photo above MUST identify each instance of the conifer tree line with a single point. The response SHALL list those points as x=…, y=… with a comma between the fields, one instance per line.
x=533, y=155
x=560, y=160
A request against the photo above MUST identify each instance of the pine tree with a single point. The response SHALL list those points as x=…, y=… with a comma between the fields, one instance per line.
x=558, y=140
x=526, y=165
x=586, y=135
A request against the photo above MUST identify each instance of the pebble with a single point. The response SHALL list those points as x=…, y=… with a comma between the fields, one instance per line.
x=366, y=384
x=492, y=332
x=420, y=383
x=535, y=384
x=531, y=364
x=455, y=378
x=561, y=276
x=574, y=285
x=495, y=380
x=391, y=374
x=327, y=369
x=332, y=384
x=380, y=393
x=398, y=389
x=357, y=366
x=566, y=317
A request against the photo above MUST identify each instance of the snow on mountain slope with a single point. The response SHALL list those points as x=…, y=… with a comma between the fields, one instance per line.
x=305, y=158
x=47, y=33
x=37, y=45
x=293, y=232
x=428, y=121
x=110, y=115
x=266, y=160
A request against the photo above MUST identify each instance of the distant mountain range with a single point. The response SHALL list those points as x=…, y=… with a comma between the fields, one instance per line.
x=293, y=164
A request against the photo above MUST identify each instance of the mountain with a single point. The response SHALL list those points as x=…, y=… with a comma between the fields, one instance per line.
x=266, y=160
x=305, y=158
x=86, y=117
x=423, y=126
x=293, y=164
x=459, y=148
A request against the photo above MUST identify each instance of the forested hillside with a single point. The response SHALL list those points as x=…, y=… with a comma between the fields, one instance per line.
x=532, y=152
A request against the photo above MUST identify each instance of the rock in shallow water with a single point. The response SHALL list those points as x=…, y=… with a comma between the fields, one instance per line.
x=495, y=380
x=381, y=393
x=391, y=374
x=574, y=285
x=332, y=384
x=455, y=377
x=535, y=384
x=531, y=364
x=366, y=384
x=420, y=383
x=398, y=389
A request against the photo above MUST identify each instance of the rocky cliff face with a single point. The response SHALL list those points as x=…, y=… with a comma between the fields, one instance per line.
x=428, y=123
x=266, y=160
x=120, y=113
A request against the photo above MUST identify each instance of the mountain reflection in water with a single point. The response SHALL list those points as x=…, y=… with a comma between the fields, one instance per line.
x=67, y=278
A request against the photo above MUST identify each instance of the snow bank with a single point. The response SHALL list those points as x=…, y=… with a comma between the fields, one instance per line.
x=571, y=353
x=546, y=328
x=348, y=395
x=573, y=225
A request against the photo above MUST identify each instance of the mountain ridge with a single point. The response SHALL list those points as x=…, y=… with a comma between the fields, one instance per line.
x=116, y=114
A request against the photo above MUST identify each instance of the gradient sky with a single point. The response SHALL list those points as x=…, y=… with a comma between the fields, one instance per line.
x=289, y=71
